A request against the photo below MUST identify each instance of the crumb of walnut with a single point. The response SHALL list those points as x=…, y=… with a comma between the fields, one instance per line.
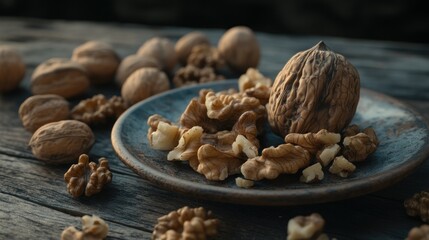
x=418, y=205
x=358, y=147
x=313, y=142
x=99, y=109
x=286, y=158
x=243, y=145
x=187, y=148
x=186, y=223
x=162, y=134
x=419, y=233
x=93, y=227
x=244, y=183
x=77, y=175
x=327, y=154
x=204, y=55
x=253, y=79
x=191, y=74
x=313, y=173
x=305, y=227
x=342, y=167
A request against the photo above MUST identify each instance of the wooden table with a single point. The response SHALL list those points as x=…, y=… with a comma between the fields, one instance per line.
x=34, y=203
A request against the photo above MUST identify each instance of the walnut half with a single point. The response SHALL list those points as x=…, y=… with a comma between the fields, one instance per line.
x=418, y=205
x=93, y=228
x=305, y=227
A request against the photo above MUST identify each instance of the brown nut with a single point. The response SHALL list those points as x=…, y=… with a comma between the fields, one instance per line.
x=419, y=233
x=132, y=63
x=162, y=134
x=12, y=68
x=99, y=59
x=418, y=205
x=93, y=228
x=206, y=56
x=190, y=74
x=161, y=49
x=185, y=44
x=316, y=89
x=144, y=83
x=38, y=110
x=358, y=147
x=305, y=227
x=240, y=48
x=59, y=76
x=61, y=142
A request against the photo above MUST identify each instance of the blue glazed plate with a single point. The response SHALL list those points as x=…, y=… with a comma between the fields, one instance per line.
x=404, y=145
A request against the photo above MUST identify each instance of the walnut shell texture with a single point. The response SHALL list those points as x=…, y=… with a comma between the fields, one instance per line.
x=161, y=49
x=61, y=142
x=12, y=68
x=316, y=89
x=132, y=63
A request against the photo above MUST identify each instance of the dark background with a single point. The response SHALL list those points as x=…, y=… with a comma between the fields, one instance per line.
x=383, y=19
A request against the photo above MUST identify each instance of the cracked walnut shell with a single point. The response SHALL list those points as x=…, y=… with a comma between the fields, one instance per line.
x=419, y=233
x=203, y=56
x=12, y=68
x=305, y=227
x=418, y=205
x=316, y=89
x=93, y=228
x=186, y=223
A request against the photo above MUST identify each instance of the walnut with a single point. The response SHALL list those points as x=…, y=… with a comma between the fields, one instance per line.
x=195, y=114
x=188, y=146
x=93, y=228
x=313, y=142
x=12, y=68
x=262, y=93
x=99, y=59
x=305, y=227
x=342, y=167
x=316, y=89
x=190, y=74
x=86, y=177
x=185, y=44
x=98, y=109
x=242, y=144
x=206, y=56
x=351, y=130
x=252, y=78
x=327, y=154
x=61, y=142
x=59, y=76
x=132, y=63
x=162, y=134
x=161, y=49
x=240, y=48
x=358, y=147
x=186, y=223
x=144, y=83
x=244, y=183
x=419, y=233
x=418, y=205
x=313, y=173
x=286, y=158
x=38, y=110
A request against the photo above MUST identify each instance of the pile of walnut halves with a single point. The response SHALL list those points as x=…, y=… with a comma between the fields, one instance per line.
x=218, y=132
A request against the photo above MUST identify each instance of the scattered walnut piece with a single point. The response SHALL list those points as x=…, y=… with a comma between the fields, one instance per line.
x=161, y=49
x=262, y=93
x=186, y=223
x=162, y=134
x=342, y=167
x=244, y=183
x=305, y=227
x=188, y=146
x=252, y=79
x=327, y=154
x=243, y=145
x=191, y=74
x=99, y=109
x=418, y=205
x=313, y=173
x=419, y=233
x=78, y=174
x=286, y=158
x=205, y=56
x=312, y=142
x=93, y=228
x=358, y=147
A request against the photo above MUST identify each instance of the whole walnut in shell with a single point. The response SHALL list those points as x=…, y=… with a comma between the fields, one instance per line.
x=161, y=49
x=240, y=48
x=99, y=59
x=185, y=44
x=38, y=110
x=316, y=89
x=144, y=83
x=132, y=63
x=61, y=142
x=59, y=76
x=12, y=68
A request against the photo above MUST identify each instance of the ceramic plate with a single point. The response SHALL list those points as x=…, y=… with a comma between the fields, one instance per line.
x=403, y=135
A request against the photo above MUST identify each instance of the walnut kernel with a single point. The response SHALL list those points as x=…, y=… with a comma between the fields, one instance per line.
x=185, y=44
x=327, y=154
x=132, y=63
x=313, y=173
x=419, y=233
x=203, y=56
x=313, y=142
x=244, y=183
x=161, y=49
x=12, y=68
x=93, y=228
x=243, y=145
x=191, y=74
x=418, y=205
x=215, y=164
x=342, y=167
x=165, y=137
x=187, y=148
x=358, y=147
x=252, y=78
x=305, y=227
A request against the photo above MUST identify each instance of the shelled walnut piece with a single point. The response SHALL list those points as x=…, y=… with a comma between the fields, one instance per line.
x=186, y=223
x=203, y=56
x=162, y=134
x=187, y=42
x=93, y=228
x=419, y=233
x=191, y=74
x=418, y=205
x=305, y=227
x=77, y=176
x=98, y=109
x=359, y=146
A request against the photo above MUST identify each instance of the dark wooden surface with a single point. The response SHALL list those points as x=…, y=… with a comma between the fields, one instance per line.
x=34, y=203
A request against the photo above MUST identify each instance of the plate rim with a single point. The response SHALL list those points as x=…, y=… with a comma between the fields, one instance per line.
x=266, y=197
